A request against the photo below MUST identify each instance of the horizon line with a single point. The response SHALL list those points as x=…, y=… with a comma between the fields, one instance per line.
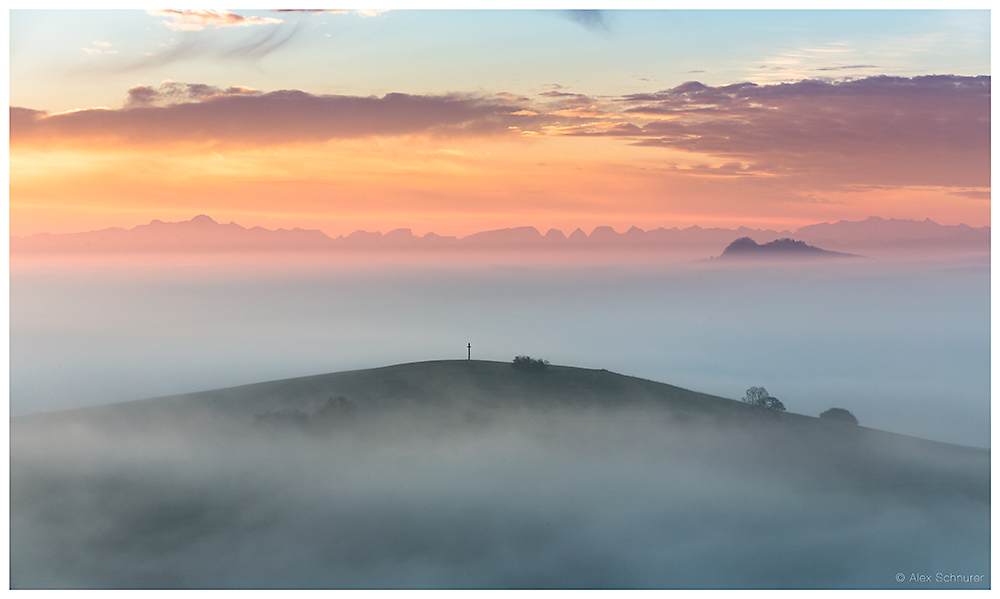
x=403, y=231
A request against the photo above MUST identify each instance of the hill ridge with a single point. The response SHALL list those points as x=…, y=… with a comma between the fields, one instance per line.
x=408, y=384
x=306, y=383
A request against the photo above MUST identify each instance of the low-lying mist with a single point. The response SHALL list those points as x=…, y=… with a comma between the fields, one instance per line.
x=490, y=498
x=904, y=346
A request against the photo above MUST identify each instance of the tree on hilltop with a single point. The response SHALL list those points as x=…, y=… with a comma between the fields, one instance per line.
x=527, y=363
x=759, y=400
x=839, y=415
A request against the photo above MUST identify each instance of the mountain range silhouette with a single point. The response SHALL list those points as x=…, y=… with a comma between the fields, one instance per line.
x=203, y=233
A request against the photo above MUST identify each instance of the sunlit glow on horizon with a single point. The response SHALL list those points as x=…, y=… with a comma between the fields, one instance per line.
x=456, y=158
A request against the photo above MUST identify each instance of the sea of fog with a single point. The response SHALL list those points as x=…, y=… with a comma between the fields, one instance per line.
x=905, y=346
x=569, y=497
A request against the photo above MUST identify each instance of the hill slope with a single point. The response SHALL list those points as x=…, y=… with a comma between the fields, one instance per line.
x=447, y=384
x=472, y=474
x=451, y=392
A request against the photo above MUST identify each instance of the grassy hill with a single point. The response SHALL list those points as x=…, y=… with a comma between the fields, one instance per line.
x=445, y=384
x=474, y=474
x=459, y=387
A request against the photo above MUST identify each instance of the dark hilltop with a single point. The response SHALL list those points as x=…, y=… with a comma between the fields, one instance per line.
x=783, y=248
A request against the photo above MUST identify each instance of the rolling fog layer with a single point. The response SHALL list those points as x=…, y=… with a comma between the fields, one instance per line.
x=904, y=346
x=508, y=499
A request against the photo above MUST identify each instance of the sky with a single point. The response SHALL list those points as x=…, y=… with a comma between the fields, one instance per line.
x=463, y=121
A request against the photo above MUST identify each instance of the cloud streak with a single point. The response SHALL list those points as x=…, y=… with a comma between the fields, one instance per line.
x=593, y=20
x=197, y=20
x=198, y=113
x=172, y=92
x=195, y=43
x=273, y=40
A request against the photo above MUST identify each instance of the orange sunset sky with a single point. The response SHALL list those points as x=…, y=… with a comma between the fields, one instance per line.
x=456, y=122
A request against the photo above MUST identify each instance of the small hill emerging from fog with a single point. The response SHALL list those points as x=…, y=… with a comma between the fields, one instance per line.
x=474, y=474
x=450, y=392
x=456, y=386
x=745, y=247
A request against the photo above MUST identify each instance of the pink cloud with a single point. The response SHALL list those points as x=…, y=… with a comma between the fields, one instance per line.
x=172, y=92
x=929, y=131
x=196, y=20
x=879, y=130
x=177, y=112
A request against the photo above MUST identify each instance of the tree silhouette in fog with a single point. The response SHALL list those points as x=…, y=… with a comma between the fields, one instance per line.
x=839, y=415
x=334, y=412
x=529, y=364
x=760, y=401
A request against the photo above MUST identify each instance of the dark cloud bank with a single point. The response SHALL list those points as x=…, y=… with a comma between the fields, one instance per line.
x=199, y=113
x=475, y=493
x=930, y=130
x=737, y=119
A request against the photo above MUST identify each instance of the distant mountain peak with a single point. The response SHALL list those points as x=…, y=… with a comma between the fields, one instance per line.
x=745, y=247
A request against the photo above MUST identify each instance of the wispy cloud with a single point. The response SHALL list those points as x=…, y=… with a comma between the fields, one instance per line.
x=273, y=40
x=196, y=20
x=594, y=20
x=973, y=194
x=97, y=49
x=835, y=59
x=196, y=43
x=594, y=129
x=361, y=12
x=172, y=92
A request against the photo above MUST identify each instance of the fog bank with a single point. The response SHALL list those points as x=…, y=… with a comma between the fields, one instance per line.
x=904, y=346
x=563, y=498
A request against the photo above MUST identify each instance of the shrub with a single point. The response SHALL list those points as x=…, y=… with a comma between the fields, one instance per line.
x=336, y=411
x=528, y=364
x=839, y=415
x=337, y=408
